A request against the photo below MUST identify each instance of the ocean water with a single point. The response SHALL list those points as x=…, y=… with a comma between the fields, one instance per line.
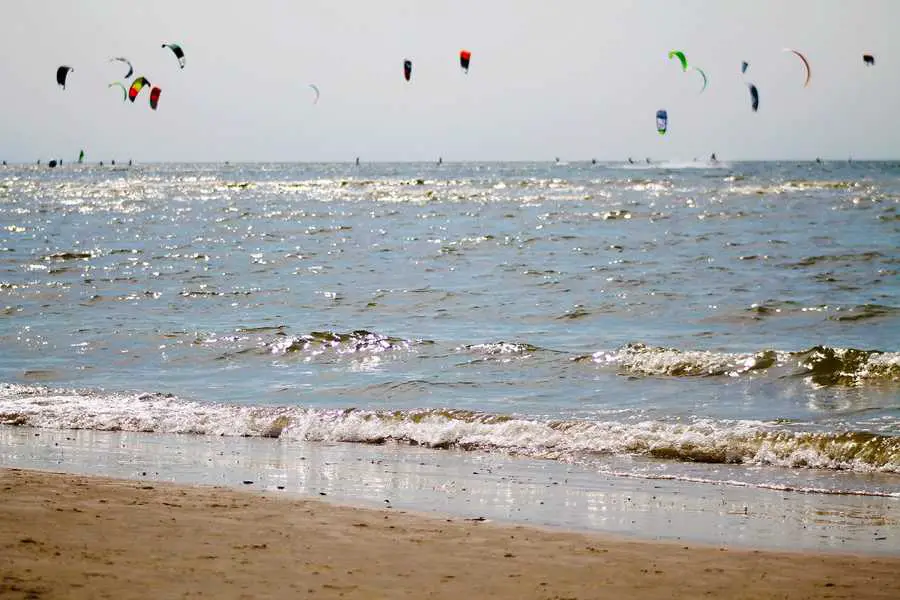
x=730, y=322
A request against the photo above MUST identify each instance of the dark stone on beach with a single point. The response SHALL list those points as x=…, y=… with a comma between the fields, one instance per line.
x=248, y=482
x=322, y=494
x=280, y=487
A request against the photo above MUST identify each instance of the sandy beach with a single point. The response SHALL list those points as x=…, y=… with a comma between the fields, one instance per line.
x=72, y=536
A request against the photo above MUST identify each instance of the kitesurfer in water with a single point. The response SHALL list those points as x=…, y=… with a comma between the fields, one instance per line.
x=648, y=160
x=712, y=157
x=630, y=161
x=357, y=161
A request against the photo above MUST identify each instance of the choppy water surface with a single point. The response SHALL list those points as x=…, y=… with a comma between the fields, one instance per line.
x=730, y=322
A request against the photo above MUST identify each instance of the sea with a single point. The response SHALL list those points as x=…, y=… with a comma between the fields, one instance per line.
x=727, y=323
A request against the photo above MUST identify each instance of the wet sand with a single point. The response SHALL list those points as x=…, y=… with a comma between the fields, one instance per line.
x=76, y=536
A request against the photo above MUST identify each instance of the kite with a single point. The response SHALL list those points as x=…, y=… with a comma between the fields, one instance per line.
x=869, y=60
x=681, y=58
x=154, y=97
x=136, y=86
x=702, y=74
x=121, y=85
x=316, y=90
x=127, y=62
x=662, y=121
x=754, y=97
x=407, y=69
x=61, y=74
x=464, y=57
x=744, y=65
x=805, y=64
x=179, y=53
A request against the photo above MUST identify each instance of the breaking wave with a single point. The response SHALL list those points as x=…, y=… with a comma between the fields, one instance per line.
x=822, y=365
x=697, y=440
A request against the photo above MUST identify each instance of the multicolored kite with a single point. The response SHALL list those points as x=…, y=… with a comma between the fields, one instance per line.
x=154, y=97
x=136, y=86
x=662, y=121
x=464, y=57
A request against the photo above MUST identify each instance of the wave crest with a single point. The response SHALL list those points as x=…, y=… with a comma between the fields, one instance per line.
x=701, y=440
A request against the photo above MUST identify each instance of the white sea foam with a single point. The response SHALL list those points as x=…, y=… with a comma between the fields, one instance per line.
x=699, y=440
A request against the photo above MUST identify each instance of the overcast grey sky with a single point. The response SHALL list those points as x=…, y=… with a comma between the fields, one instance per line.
x=568, y=78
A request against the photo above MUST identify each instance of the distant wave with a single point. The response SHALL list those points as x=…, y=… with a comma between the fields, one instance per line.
x=822, y=365
x=700, y=440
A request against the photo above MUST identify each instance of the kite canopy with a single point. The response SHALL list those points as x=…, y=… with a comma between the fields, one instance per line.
x=744, y=65
x=136, y=86
x=681, y=58
x=662, y=121
x=120, y=85
x=316, y=90
x=127, y=62
x=464, y=57
x=177, y=51
x=154, y=97
x=61, y=74
x=703, y=75
x=754, y=97
x=407, y=69
x=805, y=64
x=869, y=60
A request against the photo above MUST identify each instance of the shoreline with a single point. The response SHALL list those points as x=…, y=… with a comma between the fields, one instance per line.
x=461, y=484
x=86, y=536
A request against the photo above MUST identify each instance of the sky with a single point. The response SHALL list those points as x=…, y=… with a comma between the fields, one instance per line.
x=574, y=79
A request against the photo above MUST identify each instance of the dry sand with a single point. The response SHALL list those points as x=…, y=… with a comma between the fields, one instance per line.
x=70, y=536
